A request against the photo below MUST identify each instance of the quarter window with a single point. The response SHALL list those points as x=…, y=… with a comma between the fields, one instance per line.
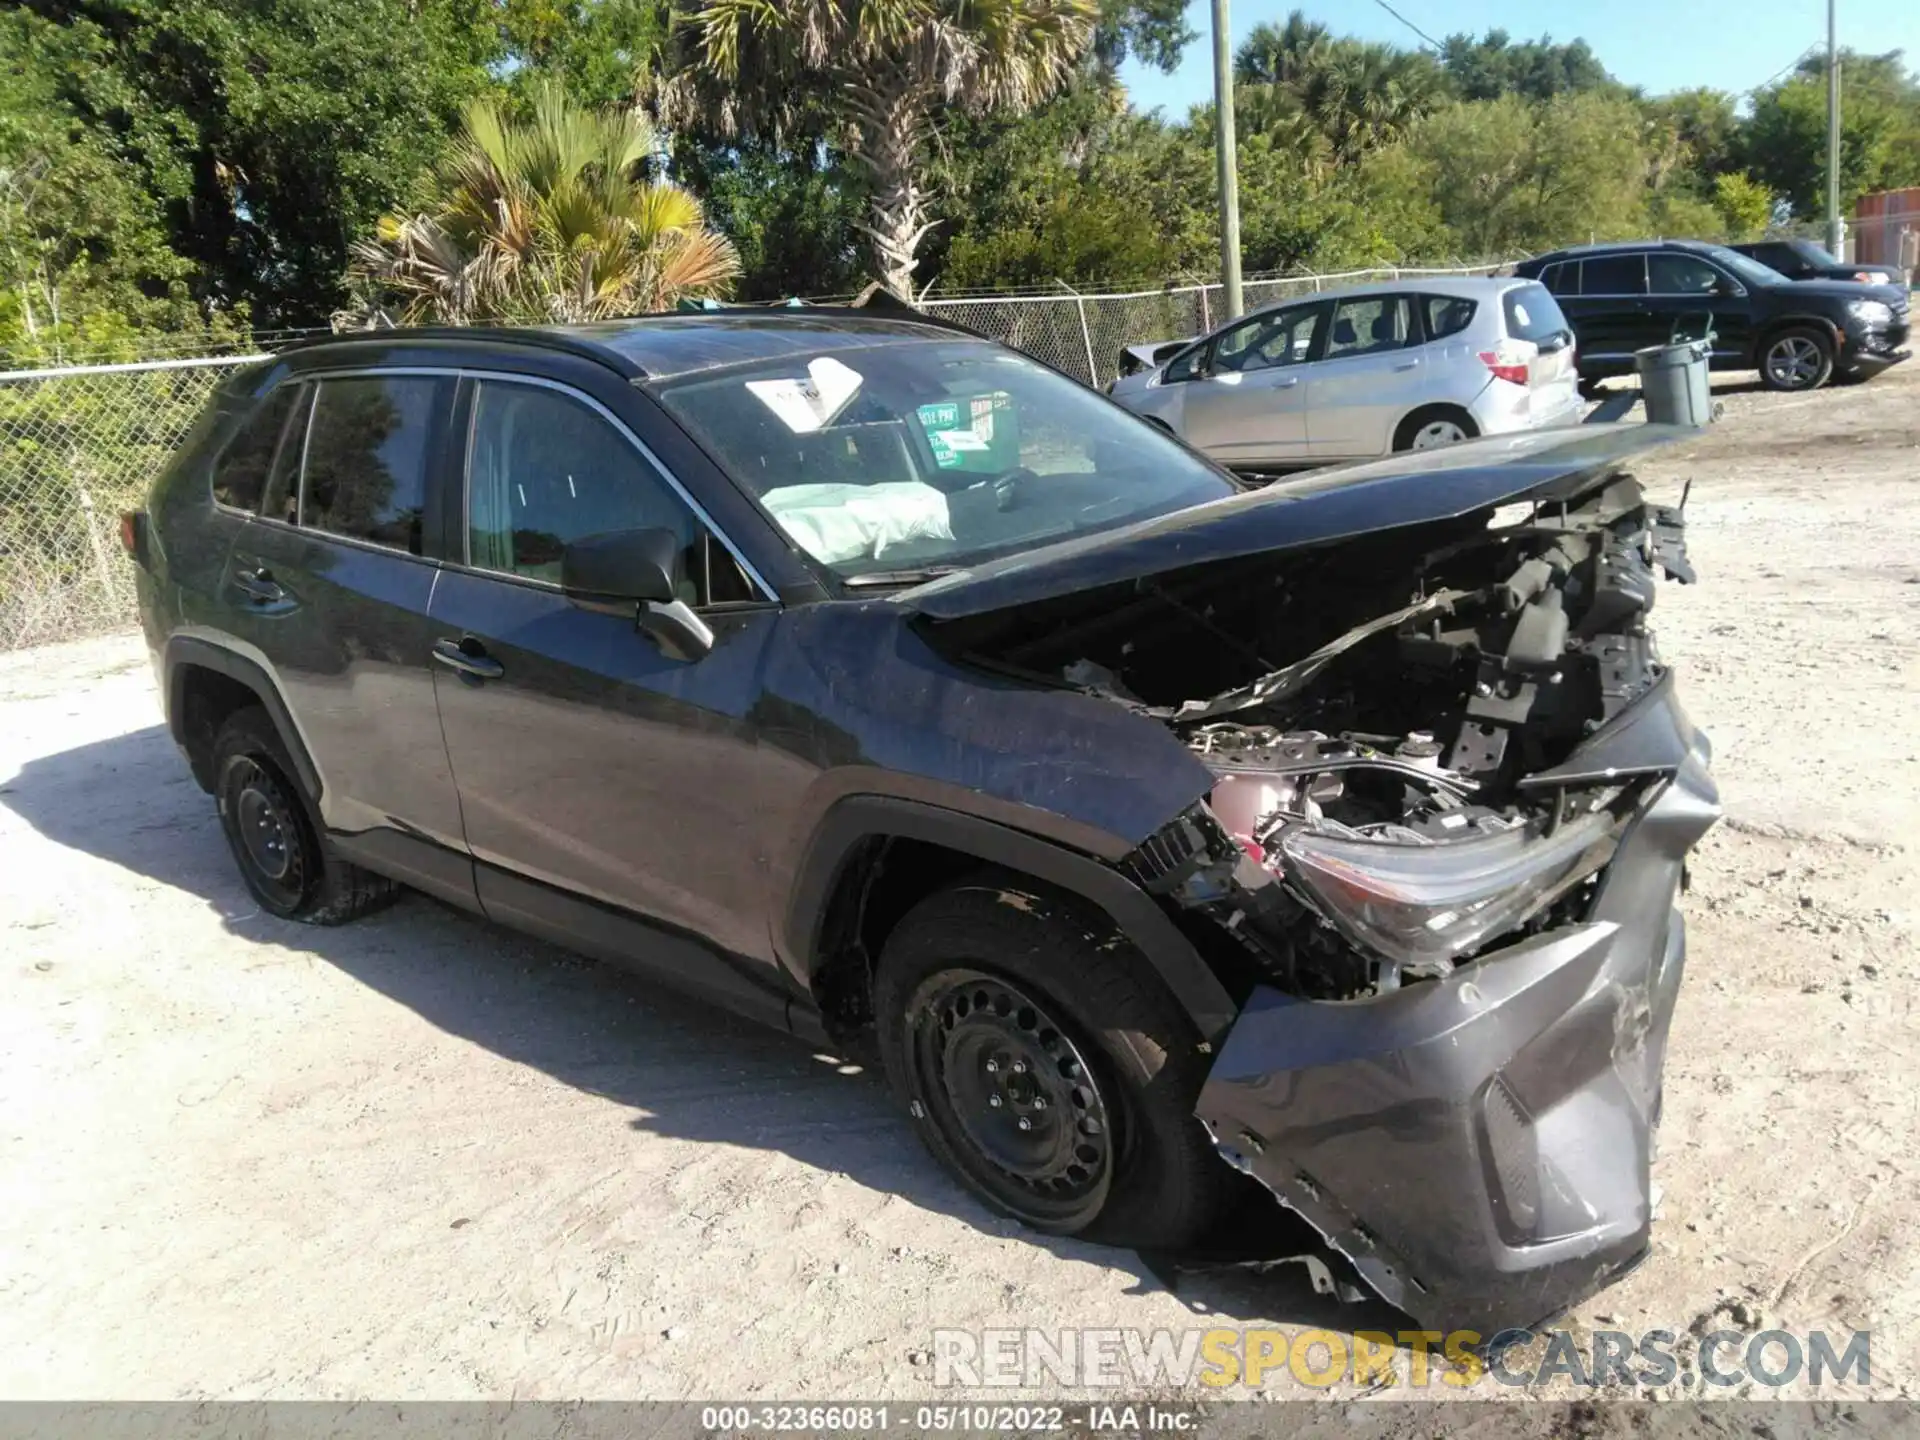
x=1185, y=364
x=1375, y=322
x=369, y=444
x=544, y=470
x=240, y=475
x=1446, y=314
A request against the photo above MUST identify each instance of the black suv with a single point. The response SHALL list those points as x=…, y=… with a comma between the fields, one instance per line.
x=874, y=680
x=1624, y=298
x=1803, y=260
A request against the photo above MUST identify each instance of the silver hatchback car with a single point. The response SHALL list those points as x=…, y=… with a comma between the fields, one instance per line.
x=1354, y=374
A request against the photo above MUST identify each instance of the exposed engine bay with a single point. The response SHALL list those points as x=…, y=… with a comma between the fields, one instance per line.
x=1385, y=717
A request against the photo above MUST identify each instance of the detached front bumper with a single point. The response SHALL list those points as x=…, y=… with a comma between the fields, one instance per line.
x=1479, y=1146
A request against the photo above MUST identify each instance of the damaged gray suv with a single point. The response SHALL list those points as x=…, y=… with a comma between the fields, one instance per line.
x=873, y=680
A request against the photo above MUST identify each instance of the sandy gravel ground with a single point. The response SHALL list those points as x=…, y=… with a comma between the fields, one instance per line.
x=421, y=1157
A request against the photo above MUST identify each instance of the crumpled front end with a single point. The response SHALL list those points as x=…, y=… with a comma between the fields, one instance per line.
x=1451, y=796
x=1478, y=1145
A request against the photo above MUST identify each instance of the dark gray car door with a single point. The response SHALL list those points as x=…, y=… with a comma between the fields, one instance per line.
x=1687, y=295
x=593, y=768
x=328, y=587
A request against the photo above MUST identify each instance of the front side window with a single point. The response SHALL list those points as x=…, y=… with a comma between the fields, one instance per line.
x=1614, y=275
x=906, y=456
x=1370, y=323
x=1673, y=274
x=544, y=470
x=240, y=474
x=1284, y=337
x=369, y=444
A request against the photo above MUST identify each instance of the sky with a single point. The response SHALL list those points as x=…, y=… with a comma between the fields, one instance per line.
x=1659, y=45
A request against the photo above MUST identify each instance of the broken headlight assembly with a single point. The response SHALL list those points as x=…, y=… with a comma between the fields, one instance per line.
x=1422, y=905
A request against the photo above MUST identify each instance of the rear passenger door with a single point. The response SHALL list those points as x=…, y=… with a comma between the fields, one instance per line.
x=329, y=584
x=1605, y=296
x=1371, y=374
x=591, y=765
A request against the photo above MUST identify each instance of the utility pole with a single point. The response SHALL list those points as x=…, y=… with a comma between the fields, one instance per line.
x=1834, y=237
x=1223, y=145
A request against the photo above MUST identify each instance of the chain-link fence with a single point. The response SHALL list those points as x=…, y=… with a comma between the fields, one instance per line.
x=1084, y=334
x=78, y=446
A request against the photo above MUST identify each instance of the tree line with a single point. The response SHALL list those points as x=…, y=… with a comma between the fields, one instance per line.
x=196, y=169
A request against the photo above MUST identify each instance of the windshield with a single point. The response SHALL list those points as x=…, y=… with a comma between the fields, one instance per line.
x=892, y=461
x=1818, y=254
x=1748, y=269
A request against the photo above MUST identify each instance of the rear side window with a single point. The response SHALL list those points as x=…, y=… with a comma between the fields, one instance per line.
x=1370, y=323
x=1614, y=275
x=1562, y=277
x=1532, y=315
x=1446, y=314
x=369, y=444
x=240, y=474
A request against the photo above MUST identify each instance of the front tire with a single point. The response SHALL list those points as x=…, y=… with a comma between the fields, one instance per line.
x=1795, y=359
x=270, y=828
x=1047, y=1067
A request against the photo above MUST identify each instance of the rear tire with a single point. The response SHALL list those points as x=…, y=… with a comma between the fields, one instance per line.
x=1796, y=359
x=1433, y=427
x=274, y=835
x=1047, y=1067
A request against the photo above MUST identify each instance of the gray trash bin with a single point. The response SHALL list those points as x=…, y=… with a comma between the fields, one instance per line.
x=1673, y=382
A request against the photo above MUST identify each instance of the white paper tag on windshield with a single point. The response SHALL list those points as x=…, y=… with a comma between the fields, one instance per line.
x=805, y=406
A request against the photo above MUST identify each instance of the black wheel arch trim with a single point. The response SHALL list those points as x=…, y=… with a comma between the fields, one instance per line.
x=185, y=651
x=860, y=818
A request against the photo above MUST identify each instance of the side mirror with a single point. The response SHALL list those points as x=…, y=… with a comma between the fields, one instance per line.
x=621, y=565
x=634, y=569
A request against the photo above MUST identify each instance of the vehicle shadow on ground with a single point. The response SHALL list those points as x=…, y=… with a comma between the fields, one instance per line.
x=690, y=1071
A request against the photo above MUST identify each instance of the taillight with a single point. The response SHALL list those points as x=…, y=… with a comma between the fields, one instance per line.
x=1503, y=368
x=133, y=525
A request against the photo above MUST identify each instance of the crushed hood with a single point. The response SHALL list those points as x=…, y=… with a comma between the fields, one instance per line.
x=1416, y=488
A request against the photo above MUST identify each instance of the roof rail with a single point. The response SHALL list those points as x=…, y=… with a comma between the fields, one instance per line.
x=539, y=337
x=565, y=341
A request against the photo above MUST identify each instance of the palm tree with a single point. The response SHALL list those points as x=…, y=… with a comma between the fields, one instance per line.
x=883, y=70
x=1360, y=95
x=547, y=220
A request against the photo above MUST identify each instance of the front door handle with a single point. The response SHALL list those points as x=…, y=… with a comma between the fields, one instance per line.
x=259, y=584
x=469, y=657
x=1408, y=365
x=1286, y=382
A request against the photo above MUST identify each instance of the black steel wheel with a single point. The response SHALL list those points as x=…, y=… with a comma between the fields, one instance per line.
x=1016, y=1096
x=1048, y=1067
x=266, y=831
x=273, y=832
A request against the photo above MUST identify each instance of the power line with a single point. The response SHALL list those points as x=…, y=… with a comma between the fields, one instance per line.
x=1756, y=89
x=1409, y=24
